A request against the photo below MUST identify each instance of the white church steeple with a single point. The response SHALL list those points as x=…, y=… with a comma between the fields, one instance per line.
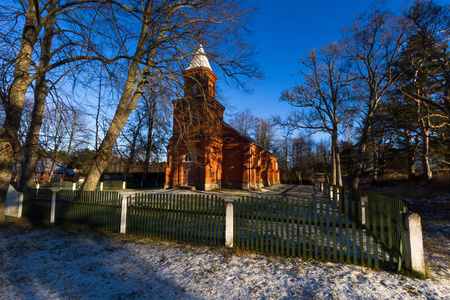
x=199, y=60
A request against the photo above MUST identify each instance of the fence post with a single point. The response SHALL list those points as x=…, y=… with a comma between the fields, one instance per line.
x=124, y=184
x=53, y=208
x=37, y=185
x=74, y=186
x=321, y=186
x=229, y=224
x=123, y=216
x=364, y=200
x=414, y=242
x=331, y=192
x=101, y=186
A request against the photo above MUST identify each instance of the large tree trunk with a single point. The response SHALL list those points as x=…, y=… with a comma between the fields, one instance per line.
x=337, y=158
x=101, y=159
x=31, y=156
x=130, y=95
x=338, y=169
x=8, y=134
x=333, y=163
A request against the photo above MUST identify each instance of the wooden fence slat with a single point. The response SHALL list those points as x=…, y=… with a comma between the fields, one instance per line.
x=292, y=216
x=322, y=232
x=261, y=217
x=184, y=216
x=316, y=231
x=203, y=219
x=239, y=225
x=375, y=232
x=354, y=206
x=327, y=226
x=310, y=237
x=368, y=234
x=149, y=209
x=389, y=228
x=361, y=234
x=282, y=226
x=382, y=214
x=276, y=223
x=334, y=202
x=347, y=228
x=340, y=220
x=304, y=227
x=256, y=223
x=270, y=235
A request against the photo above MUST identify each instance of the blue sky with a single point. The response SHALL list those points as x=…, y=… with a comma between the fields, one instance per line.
x=284, y=32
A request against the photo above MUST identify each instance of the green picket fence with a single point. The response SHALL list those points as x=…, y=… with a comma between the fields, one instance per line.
x=342, y=226
x=98, y=210
x=385, y=223
x=182, y=217
x=36, y=204
x=330, y=228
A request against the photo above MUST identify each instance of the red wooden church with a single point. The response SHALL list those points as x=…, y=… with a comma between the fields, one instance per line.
x=204, y=151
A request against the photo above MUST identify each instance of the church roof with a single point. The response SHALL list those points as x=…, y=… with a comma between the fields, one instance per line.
x=199, y=60
x=247, y=138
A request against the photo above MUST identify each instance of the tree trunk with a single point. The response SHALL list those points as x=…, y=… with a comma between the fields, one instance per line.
x=426, y=156
x=338, y=169
x=411, y=166
x=375, y=161
x=359, y=162
x=8, y=134
x=337, y=159
x=104, y=154
x=31, y=156
x=333, y=163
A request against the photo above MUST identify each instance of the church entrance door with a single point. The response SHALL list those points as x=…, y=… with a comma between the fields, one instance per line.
x=189, y=173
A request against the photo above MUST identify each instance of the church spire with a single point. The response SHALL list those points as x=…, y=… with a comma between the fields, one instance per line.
x=200, y=60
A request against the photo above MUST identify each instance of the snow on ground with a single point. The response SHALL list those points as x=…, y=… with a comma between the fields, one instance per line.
x=56, y=263
x=60, y=263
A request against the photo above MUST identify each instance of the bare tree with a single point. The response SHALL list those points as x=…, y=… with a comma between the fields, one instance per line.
x=429, y=61
x=243, y=121
x=372, y=43
x=168, y=34
x=324, y=102
x=264, y=133
x=38, y=54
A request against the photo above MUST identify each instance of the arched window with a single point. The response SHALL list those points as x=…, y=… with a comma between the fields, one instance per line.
x=195, y=90
x=227, y=140
x=189, y=157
